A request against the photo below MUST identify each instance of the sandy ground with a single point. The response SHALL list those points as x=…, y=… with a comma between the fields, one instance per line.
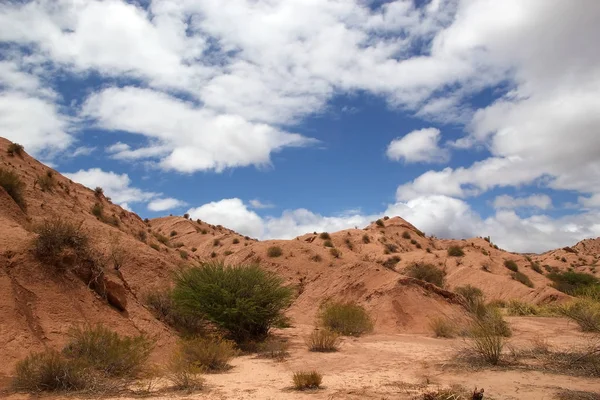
x=387, y=366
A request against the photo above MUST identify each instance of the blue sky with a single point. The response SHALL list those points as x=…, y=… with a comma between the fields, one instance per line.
x=275, y=118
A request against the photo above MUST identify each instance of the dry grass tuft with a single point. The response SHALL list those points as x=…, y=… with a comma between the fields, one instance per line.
x=307, y=380
x=323, y=340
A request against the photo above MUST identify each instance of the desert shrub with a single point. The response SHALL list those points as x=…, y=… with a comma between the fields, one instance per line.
x=210, y=354
x=183, y=375
x=213, y=255
x=585, y=312
x=235, y=241
x=570, y=282
x=216, y=242
x=391, y=262
x=366, y=239
x=97, y=210
x=536, y=267
x=455, y=251
x=274, y=251
x=142, y=236
x=56, y=235
x=406, y=235
x=11, y=182
x=510, y=264
x=245, y=300
x=183, y=254
x=227, y=252
x=348, y=244
x=442, y=327
x=307, y=380
x=426, y=272
x=162, y=238
x=347, y=319
x=336, y=253
x=98, y=191
x=563, y=259
x=413, y=241
x=328, y=243
x=485, y=340
x=15, y=149
x=162, y=306
x=380, y=223
x=589, y=292
x=204, y=231
x=155, y=246
x=186, y=216
x=273, y=348
x=323, y=340
x=324, y=236
x=173, y=233
x=521, y=277
x=491, y=318
x=520, y=308
x=106, y=351
x=316, y=258
x=49, y=371
x=473, y=295
x=390, y=248
x=46, y=181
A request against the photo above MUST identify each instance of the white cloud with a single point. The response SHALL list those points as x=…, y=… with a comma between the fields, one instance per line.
x=116, y=186
x=418, y=146
x=187, y=138
x=231, y=213
x=83, y=151
x=165, y=204
x=540, y=201
x=255, y=203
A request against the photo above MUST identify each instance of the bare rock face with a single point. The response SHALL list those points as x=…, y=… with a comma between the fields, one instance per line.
x=115, y=293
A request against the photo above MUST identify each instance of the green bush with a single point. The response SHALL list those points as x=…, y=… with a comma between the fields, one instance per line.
x=426, y=272
x=307, y=380
x=380, y=223
x=347, y=319
x=274, y=251
x=49, y=371
x=455, y=251
x=323, y=340
x=510, y=264
x=106, y=351
x=473, y=295
x=491, y=318
x=585, y=312
x=245, y=300
x=162, y=306
x=442, y=327
x=11, y=182
x=486, y=342
x=211, y=354
x=520, y=308
x=536, y=267
x=570, y=282
x=521, y=277
x=15, y=149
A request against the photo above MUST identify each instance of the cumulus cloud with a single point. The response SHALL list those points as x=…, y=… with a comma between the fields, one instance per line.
x=116, y=186
x=231, y=213
x=255, y=203
x=165, y=204
x=418, y=146
x=540, y=201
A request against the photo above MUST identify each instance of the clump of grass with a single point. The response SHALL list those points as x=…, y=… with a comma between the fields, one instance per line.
x=473, y=295
x=227, y=252
x=184, y=375
x=366, y=239
x=161, y=238
x=106, y=351
x=274, y=251
x=204, y=231
x=485, y=340
x=46, y=181
x=585, y=312
x=454, y=392
x=426, y=272
x=510, y=264
x=328, y=243
x=406, y=235
x=15, y=149
x=390, y=248
x=391, y=262
x=442, y=327
x=348, y=319
x=307, y=380
x=274, y=348
x=235, y=241
x=536, y=267
x=336, y=253
x=245, y=300
x=348, y=244
x=216, y=242
x=380, y=223
x=11, y=182
x=211, y=354
x=520, y=308
x=173, y=233
x=324, y=236
x=323, y=340
x=49, y=371
x=155, y=246
x=455, y=251
x=316, y=258
x=98, y=192
x=97, y=210
x=183, y=254
x=521, y=277
x=56, y=235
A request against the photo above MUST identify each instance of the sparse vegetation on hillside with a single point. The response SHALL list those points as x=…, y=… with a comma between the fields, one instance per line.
x=245, y=300
x=211, y=354
x=274, y=251
x=572, y=282
x=11, y=182
x=347, y=319
x=521, y=308
x=49, y=371
x=426, y=272
x=15, y=149
x=46, y=181
x=521, y=277
x=473, y=295
x=585, y=312
x=307, y=380
x=323, y=340
x=510, y=264
x=56, y=235
x=455, y=251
